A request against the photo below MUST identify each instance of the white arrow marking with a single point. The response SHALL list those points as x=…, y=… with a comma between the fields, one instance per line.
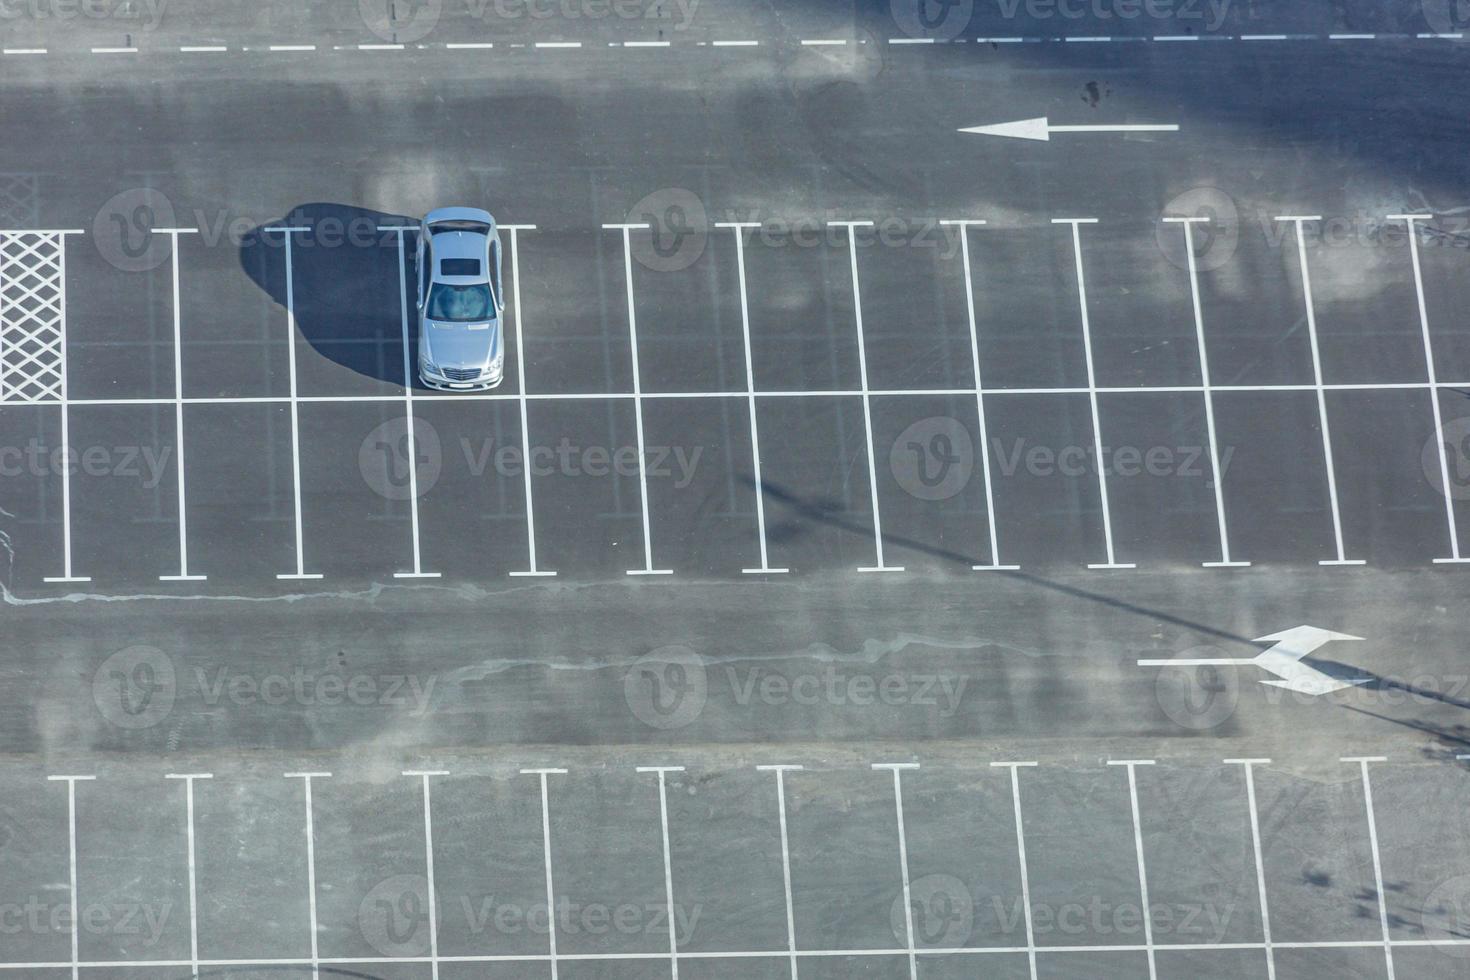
x=1284, y=659
x=1040, y=129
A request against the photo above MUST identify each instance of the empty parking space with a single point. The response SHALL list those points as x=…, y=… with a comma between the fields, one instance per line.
x=728, y=860
x=1202, y=875
x=846, y=876
x=686, y=289
x=119, y=318
x=574, y=301
x=1316, y=851
x=1367, y=312
x=802, y=318
x=236, y=334
x=1082, y=861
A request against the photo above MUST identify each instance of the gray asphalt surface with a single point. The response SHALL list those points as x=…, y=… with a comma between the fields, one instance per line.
x=839, y=423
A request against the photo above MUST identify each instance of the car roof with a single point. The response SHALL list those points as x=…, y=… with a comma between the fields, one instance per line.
x=461, y=245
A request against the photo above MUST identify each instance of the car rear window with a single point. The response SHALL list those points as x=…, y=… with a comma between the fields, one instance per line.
x=459, y=267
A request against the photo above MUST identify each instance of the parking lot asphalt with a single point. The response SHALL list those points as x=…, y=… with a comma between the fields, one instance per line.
x=831, y=437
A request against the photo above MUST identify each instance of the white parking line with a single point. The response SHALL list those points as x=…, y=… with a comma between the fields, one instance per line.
x=313, y=924
x=1444, y=466
x=1015, y=768
x=857, y=310
x=1148, y=920
x=408, y=418
x=755, y=440
x=546, y=855
x=424, y=774
x=71, y=838
x=1097, y=445
x=647, y=568
x=663, y=819
x=1362, y=762
x=994, y=540
x=1216, y=476
x=515, y=287
x=903, y=858
x=188, y=779
x=179, y=465
x=301, y=572
x=1301, y=245
x=781, y=772
x=1250, y=795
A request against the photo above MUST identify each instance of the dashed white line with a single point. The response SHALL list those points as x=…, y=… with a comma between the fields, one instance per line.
x=735, y=44
x=469, y=45
x=558, y=44
x=1444, y=36
x=292, y=47
x=380, y=47
x=202, y=48
x=823, y=42
x=23, y=50
x=1263, y=37
x=114, y=50
x=1084, y=39
x=911, y=40
x=645, y=44
x=1177, y=37
x=1351, y=37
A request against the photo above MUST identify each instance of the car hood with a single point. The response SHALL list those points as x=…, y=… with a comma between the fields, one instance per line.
x=461, y=345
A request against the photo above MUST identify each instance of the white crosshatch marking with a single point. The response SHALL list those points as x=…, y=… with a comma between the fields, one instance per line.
x=32, y=315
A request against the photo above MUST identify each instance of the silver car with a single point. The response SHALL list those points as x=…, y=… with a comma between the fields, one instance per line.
x=461, y=344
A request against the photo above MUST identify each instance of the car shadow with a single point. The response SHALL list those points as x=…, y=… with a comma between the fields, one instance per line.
x=344, y=286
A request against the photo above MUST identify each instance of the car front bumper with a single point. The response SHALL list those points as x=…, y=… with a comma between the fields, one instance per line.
x=490, y=379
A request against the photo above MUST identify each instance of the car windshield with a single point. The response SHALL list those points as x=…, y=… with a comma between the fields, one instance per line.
x=460, y=304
